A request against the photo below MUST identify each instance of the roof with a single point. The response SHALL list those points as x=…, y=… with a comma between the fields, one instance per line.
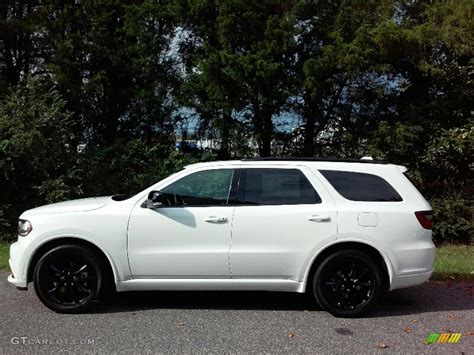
x=281, y=160
x=338, y=160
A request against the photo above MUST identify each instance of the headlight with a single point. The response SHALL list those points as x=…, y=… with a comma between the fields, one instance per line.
x=24, y=227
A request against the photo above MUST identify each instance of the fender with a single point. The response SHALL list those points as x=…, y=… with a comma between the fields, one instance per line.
x=386, y=259
x=70, y=236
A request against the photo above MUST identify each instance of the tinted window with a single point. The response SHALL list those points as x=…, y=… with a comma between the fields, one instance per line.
x=203, y=188
x=361, y=186
x=275, y=187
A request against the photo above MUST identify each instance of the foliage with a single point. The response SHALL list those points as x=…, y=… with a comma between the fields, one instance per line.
x=449, y=156
x=450, y=171
x=237, y=55
x=130, y=166
x=37, y=159
x=453, y=218
x=122, y=80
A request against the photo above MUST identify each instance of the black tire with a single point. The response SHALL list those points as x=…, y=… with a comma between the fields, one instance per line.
x=347, y=283
x=70, y=278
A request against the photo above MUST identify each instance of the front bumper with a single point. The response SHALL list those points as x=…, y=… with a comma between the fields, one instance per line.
x=20, y=284
x=17, y=264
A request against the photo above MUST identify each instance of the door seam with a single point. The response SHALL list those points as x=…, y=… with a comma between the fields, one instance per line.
x=230, y=244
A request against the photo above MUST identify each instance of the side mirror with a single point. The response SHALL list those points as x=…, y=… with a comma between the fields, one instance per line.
x=154, y=200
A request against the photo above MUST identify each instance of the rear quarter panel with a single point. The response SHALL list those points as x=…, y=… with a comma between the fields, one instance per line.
x=396, y=233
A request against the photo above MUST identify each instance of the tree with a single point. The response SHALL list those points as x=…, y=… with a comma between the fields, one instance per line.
x=112, y=62
x=19, y=50
x=431, y=54
x=37, y=154
x=337, y=70
x=239, y=59
x=430, y=51
x=205, y=87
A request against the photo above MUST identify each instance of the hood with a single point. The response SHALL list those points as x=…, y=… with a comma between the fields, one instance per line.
x=85, y=204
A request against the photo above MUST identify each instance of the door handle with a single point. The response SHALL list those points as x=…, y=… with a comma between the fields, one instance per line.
x=319, y=218
x=214, y=219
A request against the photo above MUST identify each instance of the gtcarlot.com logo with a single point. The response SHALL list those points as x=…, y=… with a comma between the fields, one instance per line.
x=51, y=341
x=443, y=338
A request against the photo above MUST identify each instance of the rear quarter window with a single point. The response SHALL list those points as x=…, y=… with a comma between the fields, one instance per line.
x=361, y=186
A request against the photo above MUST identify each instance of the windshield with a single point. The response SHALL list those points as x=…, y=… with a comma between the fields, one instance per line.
x=123, y=197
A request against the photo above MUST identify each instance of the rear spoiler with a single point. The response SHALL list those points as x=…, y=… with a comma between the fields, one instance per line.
x=402, y=168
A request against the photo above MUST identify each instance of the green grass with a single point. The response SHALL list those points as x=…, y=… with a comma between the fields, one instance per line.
x=4, y=250
x=453, y=262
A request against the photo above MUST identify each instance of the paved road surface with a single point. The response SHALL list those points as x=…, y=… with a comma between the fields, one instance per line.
x=239, y=322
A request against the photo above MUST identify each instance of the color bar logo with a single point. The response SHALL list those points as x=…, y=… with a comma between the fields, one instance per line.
x=443, y=338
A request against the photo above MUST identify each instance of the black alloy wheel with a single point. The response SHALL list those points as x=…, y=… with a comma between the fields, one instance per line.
x=69, y=278
x=347, y=283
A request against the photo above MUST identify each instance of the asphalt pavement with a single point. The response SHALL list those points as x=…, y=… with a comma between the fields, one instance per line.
x=185, y=322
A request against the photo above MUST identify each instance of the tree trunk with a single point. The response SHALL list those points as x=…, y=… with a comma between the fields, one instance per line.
x=308, y=137
x=225, y=127
x=266, y=139
x=263, y=128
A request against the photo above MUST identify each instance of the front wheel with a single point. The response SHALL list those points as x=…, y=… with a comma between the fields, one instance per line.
x=69, y=278
x=347, y=283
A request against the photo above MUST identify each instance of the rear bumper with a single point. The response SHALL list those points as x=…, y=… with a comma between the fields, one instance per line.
x=410, y=280
x=412, y=260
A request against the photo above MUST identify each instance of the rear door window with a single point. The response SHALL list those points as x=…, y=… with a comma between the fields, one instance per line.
x=361, y=186
x=268, y=186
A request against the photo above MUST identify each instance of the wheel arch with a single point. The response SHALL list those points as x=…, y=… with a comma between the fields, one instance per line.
x=51, y=243
x=367, y=248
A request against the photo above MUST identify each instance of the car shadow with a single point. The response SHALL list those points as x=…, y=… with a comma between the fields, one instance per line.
x=426, y=298
x=179, y=215
x=429, y=297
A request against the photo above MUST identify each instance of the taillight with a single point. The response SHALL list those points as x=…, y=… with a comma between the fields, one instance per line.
x=425, y=218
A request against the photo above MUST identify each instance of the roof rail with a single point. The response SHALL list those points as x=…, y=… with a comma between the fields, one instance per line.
x=340, y=160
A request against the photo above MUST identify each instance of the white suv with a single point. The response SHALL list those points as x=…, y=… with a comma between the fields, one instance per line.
x=342, y=231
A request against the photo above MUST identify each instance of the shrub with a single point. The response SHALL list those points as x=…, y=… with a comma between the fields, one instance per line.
x=453, y=219
x=37, y=151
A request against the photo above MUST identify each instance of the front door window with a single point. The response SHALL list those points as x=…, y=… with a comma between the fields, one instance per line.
x=203, y=188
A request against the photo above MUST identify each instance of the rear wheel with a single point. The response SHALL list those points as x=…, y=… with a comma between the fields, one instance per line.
x=69, y=278
x=347, y=283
